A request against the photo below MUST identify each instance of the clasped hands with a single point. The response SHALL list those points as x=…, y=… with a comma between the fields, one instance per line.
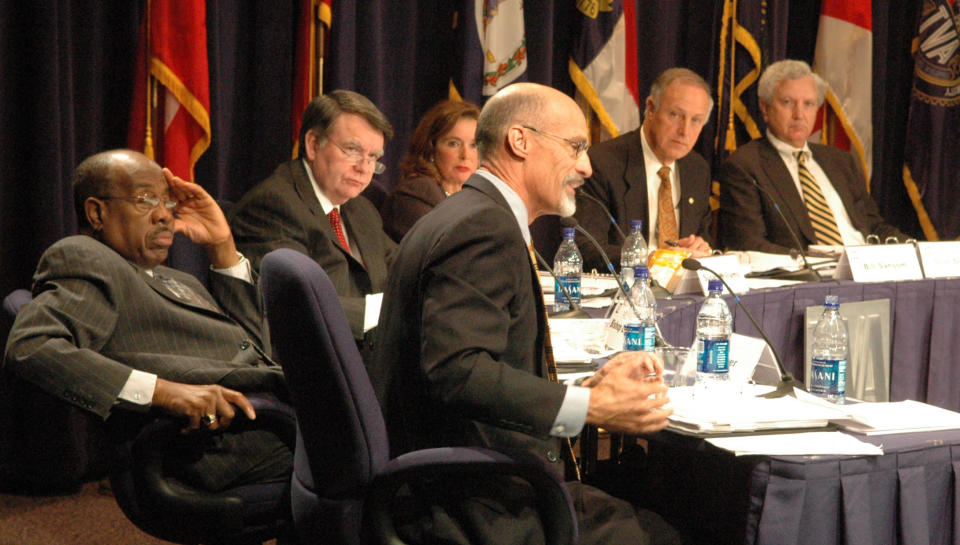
x=627, y=394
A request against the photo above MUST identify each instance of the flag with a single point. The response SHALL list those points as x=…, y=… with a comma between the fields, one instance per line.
x=844, y=59
x=493, y=48
x=603, y=63
x=752, y=35
x=931, y=162
x=313, y=25
x=172, y=88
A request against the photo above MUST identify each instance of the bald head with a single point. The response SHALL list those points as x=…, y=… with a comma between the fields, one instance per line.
x=100, y=175
x=520, y=103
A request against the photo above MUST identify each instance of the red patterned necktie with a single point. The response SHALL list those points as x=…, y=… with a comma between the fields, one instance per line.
x=337, y=224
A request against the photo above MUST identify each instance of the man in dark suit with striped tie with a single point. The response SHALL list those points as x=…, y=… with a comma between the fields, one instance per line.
x=820, y=189
x=114, y=332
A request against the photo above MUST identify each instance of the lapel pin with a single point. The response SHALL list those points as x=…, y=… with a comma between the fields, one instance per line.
x=690, y=200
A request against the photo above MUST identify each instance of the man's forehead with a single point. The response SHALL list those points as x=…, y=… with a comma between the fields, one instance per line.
x=140, y=177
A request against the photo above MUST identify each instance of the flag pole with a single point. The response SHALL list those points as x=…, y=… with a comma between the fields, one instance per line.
x=150, y=91
x=321, y=52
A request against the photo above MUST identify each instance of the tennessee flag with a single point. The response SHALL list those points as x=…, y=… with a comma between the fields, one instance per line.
x=170, y=115
x=844, y=58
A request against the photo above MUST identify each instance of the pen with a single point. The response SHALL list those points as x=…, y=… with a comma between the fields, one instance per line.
x=673, y=243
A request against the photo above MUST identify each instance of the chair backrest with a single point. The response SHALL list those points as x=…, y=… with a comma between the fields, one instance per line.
x=341, y=426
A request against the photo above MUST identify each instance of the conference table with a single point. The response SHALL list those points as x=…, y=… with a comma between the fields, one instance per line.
x=910, y=495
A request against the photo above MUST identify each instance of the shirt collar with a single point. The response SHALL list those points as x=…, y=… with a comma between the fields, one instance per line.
x=325, y=203
x=514, y=201
x=785, y=148
x=650, y=158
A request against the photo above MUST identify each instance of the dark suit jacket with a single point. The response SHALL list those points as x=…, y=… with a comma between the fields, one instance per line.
x=749, y=220
x=619, y=181
x=461, y=334
x=96, y=316
x=408, y=202
x=283, y=212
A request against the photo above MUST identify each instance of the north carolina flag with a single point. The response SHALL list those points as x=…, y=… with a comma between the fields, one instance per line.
x=844, y=58
x=313, y=22
x=931, y=161
x=175, y=52
x=493, y=48
x=603, y=64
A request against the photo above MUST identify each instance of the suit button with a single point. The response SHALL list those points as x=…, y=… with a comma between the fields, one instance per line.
x=552, y=456
x=244, y=345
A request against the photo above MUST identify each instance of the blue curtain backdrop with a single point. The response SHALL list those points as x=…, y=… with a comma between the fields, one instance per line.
x=67, y=69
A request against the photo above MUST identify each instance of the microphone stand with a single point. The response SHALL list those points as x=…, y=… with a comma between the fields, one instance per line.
x=808, y=273
x=606, y=211
x=572, y=222
x=575, y=310
x=787, y=381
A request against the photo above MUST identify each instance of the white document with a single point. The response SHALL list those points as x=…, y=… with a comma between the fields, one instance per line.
x=728, y=266
x=745, y=412
x=940, y=259
x=577, y=341
x=898, y=417
x=797, y=444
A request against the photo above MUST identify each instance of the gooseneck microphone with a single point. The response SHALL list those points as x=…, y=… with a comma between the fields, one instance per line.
x=575, y=309
x=572, y=222
x=787, y=382
x=583, y=193
x=808, y=273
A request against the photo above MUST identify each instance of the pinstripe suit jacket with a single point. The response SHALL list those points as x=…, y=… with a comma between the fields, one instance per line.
x=283, y=212
x=96, y=316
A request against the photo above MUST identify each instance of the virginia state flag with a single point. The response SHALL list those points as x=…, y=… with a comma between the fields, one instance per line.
x=931, y=161
x=603, y=63
x=844, y=58
x=172, y=88
x=493, y=48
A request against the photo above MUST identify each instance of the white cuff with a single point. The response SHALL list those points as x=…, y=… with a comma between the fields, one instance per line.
x=573, y=412
x=137, y=392
x=241, y=270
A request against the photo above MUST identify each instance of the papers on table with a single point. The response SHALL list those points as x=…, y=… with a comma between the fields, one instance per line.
x=797, y=444
x=577, y=341
x=898, y=417
x=745, y=413
x=596, y=290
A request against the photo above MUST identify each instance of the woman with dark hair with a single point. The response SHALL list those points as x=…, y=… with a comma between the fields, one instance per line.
x=441, y=156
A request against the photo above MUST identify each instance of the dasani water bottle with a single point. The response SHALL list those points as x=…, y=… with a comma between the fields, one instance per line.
x=568, y=266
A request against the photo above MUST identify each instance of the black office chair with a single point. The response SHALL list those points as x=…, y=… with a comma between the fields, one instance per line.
x=74, y=447
x=163, y=507
x=343, y=480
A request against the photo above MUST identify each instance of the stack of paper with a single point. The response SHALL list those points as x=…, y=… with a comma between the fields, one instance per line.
x=900, y=417
x=797, y=444
x=746, y=412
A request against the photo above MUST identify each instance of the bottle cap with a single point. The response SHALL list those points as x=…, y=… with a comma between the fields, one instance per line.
x=636, y=225
x=832, y=301
x=641, y=272
x=715, y=285
x=569, y=232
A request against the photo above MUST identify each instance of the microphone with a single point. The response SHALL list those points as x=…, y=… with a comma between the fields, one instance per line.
x=575, y=310
x=787, y=382
x=808, y=273
x=582, y=192
x=572, y=222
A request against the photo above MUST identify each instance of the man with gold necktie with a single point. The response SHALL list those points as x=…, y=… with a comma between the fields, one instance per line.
x=653, y=174
x=820, y=189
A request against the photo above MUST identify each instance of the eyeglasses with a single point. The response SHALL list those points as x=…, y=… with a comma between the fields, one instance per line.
x=145, y=203
x=355, y=156
x=577, y=146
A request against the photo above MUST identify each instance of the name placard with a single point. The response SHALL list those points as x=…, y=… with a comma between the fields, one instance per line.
x=727, y=265
x=879, y=263
x=940, y=259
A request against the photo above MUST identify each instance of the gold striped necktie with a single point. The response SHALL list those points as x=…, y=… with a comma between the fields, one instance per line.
x=666, y=219
x=821, y=217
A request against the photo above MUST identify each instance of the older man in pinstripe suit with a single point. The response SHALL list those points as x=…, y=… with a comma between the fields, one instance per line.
x=114, y=332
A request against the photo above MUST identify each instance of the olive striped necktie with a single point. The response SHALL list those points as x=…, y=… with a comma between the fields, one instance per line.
x=821, y=217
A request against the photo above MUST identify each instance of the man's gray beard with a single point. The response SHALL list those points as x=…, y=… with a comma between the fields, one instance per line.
x=568, y=205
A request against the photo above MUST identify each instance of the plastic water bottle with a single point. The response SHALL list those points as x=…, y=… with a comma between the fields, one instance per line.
x=640, y=333
x=633, y=253
x=568, y=266
x=714, y=326
x=830, y=350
